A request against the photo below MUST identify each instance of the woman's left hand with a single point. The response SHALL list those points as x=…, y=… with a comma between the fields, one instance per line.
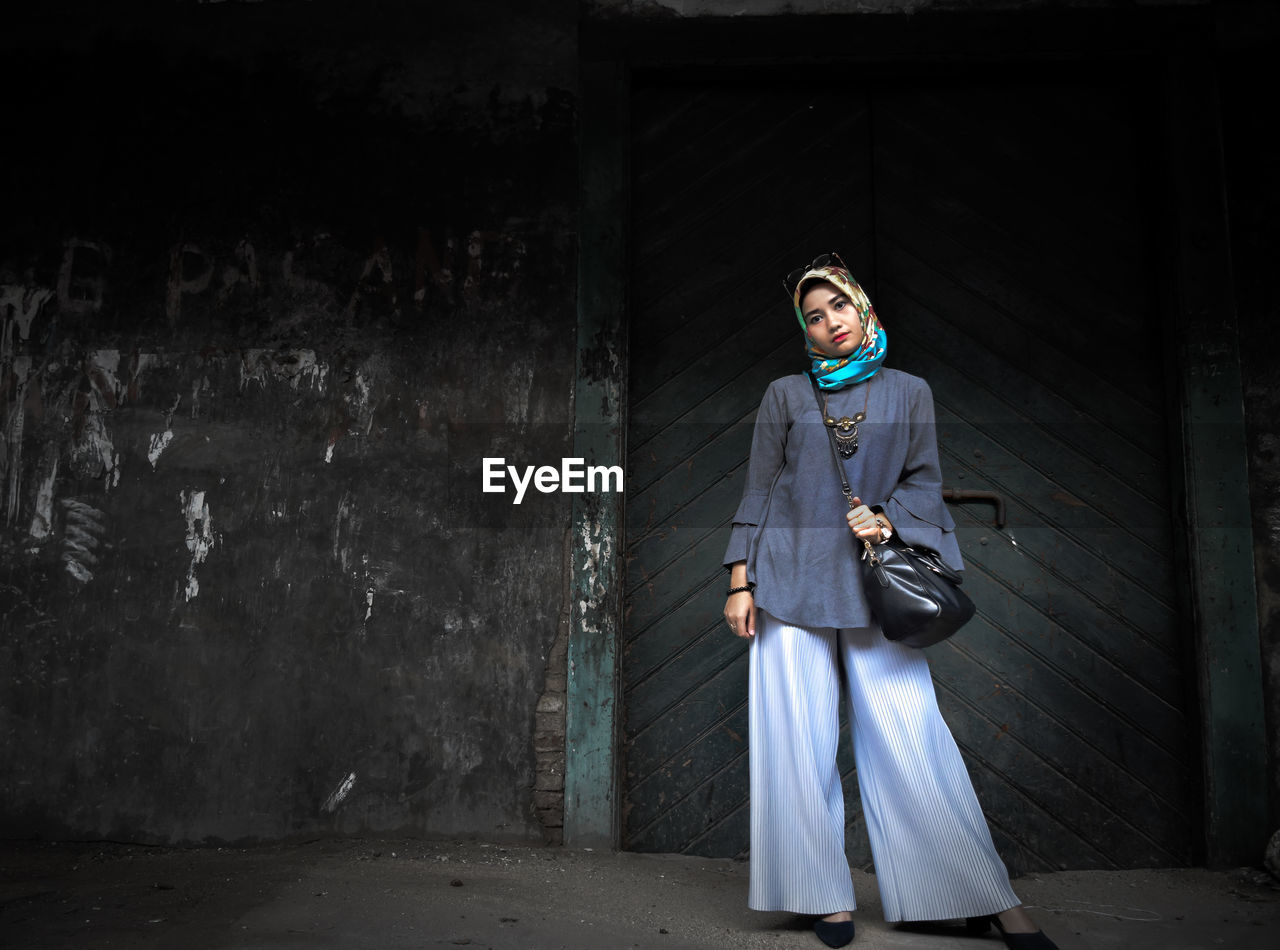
x=864, y=522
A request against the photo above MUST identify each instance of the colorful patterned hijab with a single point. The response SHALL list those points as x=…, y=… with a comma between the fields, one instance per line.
x=837, y=372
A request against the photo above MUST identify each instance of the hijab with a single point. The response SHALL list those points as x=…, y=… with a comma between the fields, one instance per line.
x=836, y=372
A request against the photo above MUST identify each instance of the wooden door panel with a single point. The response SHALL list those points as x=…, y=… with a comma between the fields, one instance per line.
x=724, y=206
x=679, y=754
x=1087, y=499
x=1028, y=305
x=1022, y=308
x=696, y=421
x=1008, y=259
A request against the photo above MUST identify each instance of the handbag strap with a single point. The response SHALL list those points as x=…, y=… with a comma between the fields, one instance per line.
x=835, y=457
x=831, y=437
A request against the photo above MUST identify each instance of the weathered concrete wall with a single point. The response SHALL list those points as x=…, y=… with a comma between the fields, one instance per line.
x=276, y=277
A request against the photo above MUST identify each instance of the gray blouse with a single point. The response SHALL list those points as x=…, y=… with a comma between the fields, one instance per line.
x=790, y=527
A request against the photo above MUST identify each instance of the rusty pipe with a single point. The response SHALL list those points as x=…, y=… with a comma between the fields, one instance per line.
x=961, y=495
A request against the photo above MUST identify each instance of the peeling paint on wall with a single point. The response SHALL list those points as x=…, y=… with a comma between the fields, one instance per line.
x=103, y=368
x=341, y=792
x=42, y=520
x=85, y=529
x=93, y=453
x=598, y=547
x=22, y=305
x=291, y=366
x=199, y=536
x=13, y=438
x=159, y=442
x=139, y=363
x=356, y=393
x=344, y=528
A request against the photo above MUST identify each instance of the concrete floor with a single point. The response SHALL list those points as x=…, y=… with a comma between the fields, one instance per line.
x=392, y=894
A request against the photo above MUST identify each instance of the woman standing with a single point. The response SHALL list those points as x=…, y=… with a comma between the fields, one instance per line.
x=795, y=592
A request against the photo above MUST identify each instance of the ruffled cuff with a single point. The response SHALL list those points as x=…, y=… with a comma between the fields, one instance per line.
x=739, y=544
x=745, y=521
x=931, y=528
x=751, y=508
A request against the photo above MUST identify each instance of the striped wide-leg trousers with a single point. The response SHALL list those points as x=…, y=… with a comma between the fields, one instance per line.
x=933, y=853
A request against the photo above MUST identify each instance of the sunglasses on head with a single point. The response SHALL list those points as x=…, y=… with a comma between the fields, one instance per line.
x=822, y=260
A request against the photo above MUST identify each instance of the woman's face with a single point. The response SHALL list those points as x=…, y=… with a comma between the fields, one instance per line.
x=831, y=319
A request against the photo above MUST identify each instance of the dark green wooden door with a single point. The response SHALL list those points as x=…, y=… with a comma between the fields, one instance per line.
x=1008, y=256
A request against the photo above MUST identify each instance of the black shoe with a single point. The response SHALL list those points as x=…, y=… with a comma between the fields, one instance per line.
x=834, y=933
x=1027, y=941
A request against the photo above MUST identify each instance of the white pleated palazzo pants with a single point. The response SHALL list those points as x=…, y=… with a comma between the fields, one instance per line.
x=933, y=853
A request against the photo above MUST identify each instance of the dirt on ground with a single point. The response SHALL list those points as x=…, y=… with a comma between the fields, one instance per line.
x=391, y=894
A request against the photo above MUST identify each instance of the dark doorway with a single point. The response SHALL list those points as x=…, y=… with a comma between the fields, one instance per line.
x=1002, y=231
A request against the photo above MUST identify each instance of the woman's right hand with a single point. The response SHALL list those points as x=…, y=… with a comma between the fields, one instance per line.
x=740, y=613
x=740, y=608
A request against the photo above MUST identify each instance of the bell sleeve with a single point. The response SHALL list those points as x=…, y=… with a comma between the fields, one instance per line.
x=768, y=448
x=915, y=507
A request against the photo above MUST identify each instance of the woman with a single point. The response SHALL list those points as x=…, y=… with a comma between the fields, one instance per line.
x=795, y=592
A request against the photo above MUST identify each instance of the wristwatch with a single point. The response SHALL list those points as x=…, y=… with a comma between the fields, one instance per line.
x=885, y=531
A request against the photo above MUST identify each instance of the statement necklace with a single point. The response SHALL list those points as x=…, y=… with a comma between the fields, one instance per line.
x=846, y=429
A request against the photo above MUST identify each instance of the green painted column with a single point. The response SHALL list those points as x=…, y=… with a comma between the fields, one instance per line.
x=1215, y=474
x=592, y=710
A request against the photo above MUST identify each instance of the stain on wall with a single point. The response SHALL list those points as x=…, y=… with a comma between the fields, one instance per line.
x=274, y=278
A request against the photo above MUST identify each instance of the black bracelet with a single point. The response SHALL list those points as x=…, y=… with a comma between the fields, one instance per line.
x=749, y=589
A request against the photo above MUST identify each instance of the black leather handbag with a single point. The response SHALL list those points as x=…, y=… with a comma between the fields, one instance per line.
x=914, y=596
